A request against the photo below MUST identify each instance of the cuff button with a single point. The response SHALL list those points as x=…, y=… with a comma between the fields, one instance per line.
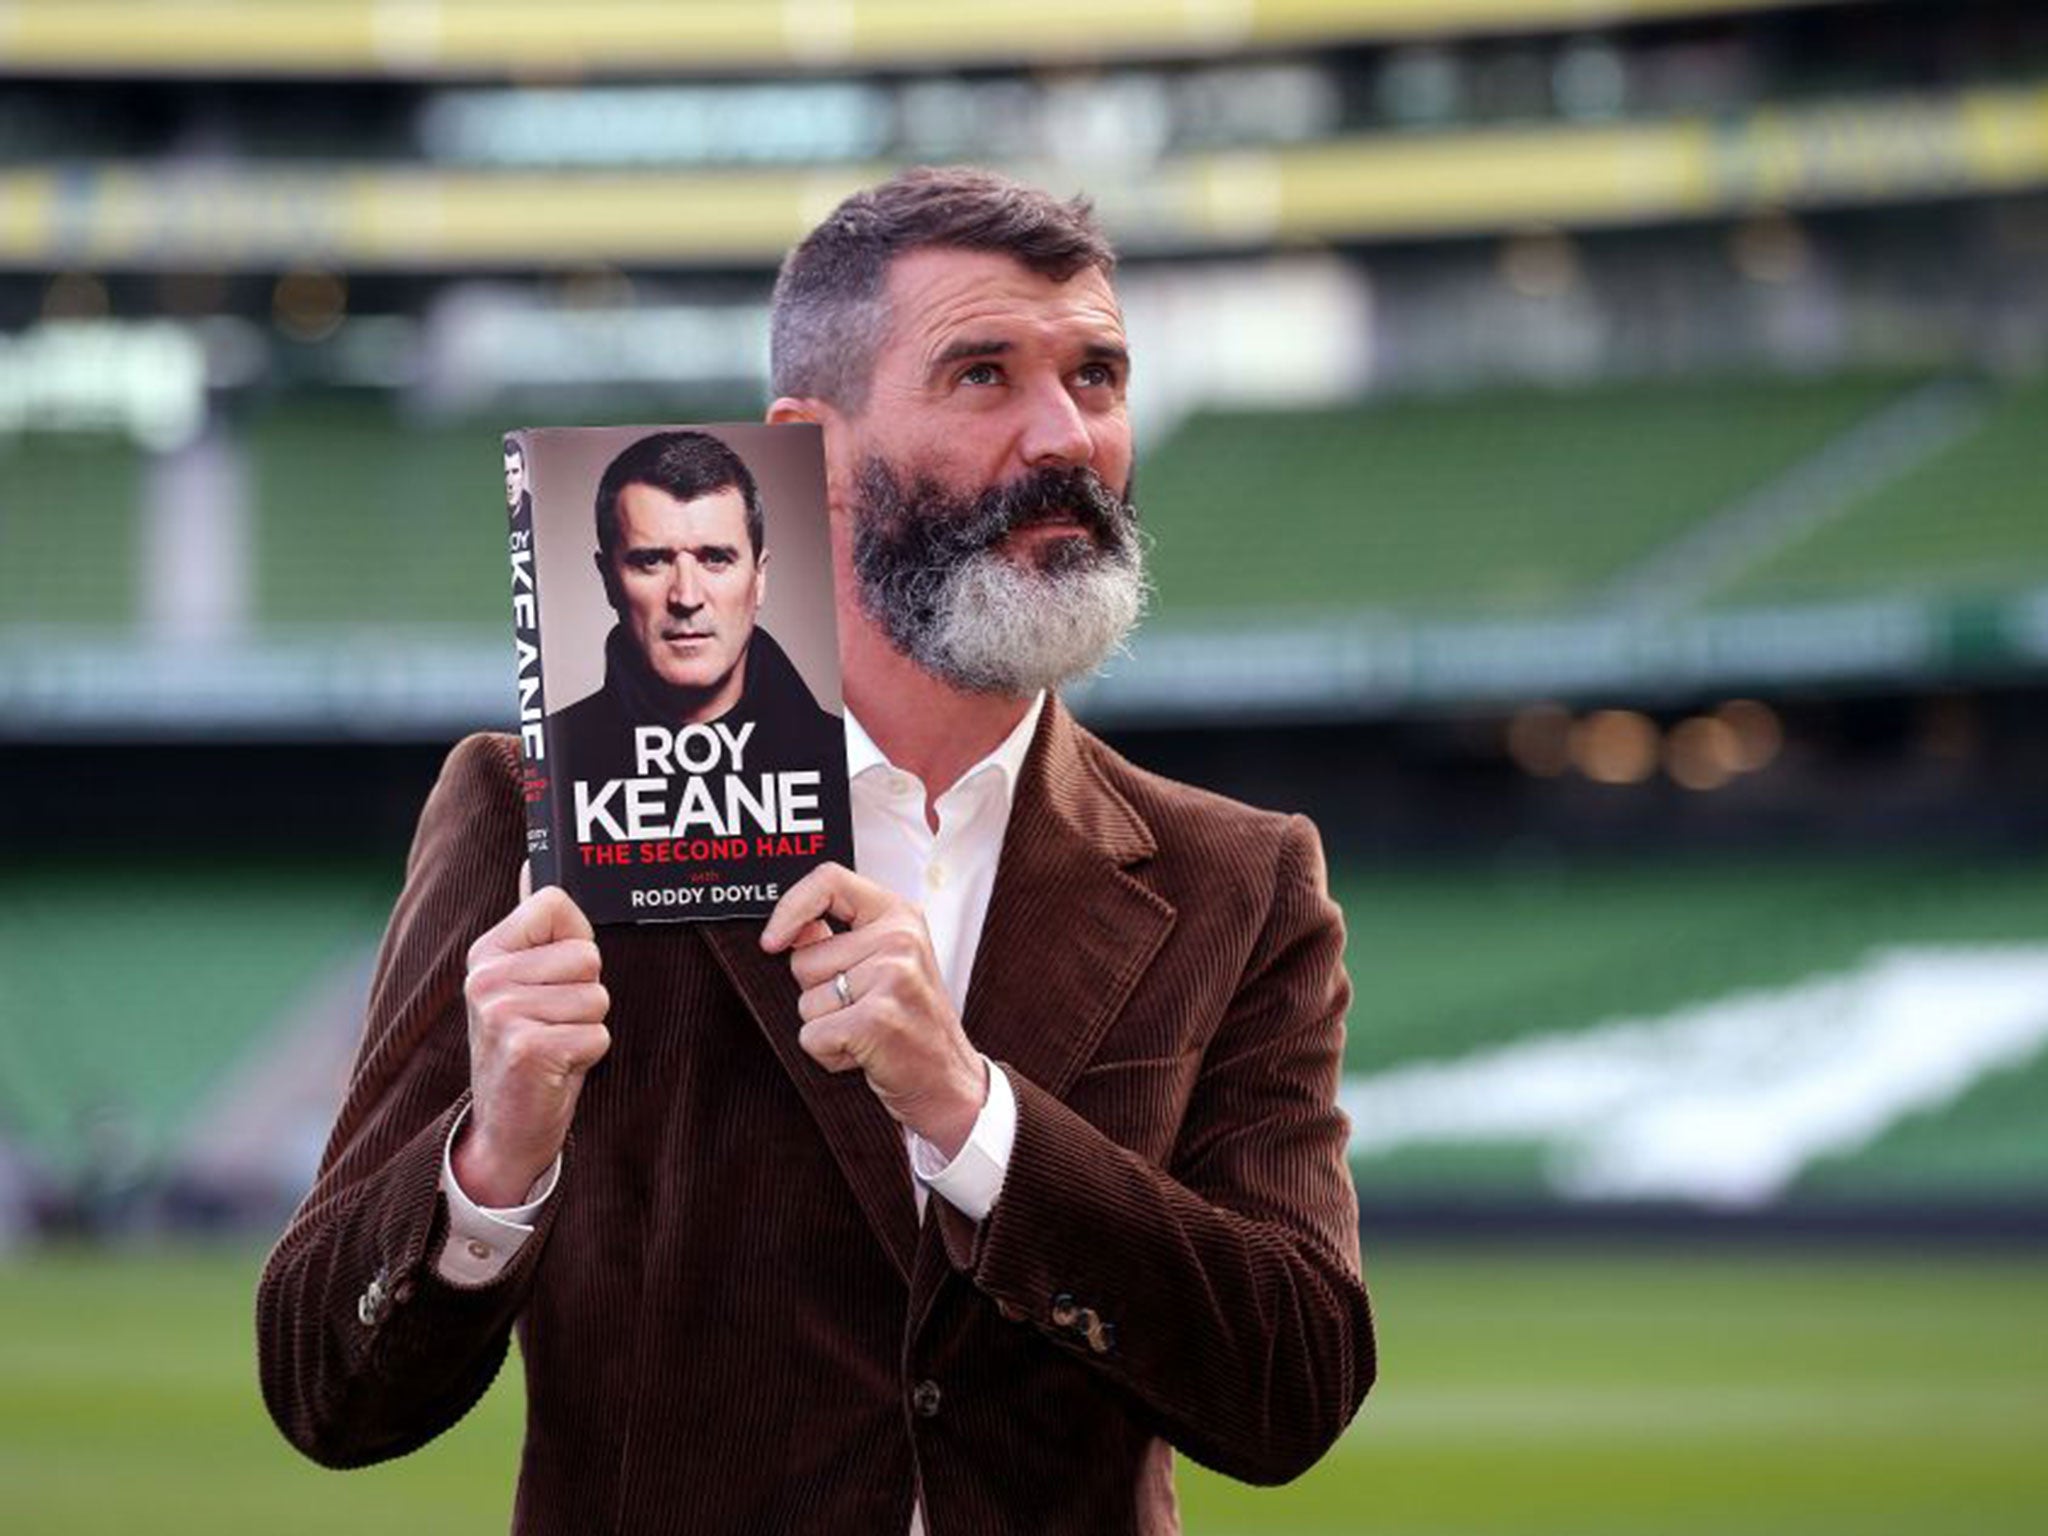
x=370, y=1305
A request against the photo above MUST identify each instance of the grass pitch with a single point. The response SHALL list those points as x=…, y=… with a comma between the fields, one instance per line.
x=1523, y=1393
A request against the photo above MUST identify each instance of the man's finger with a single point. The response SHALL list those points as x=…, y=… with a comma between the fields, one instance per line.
x=817, y=931
x=830, y=890
x=545, y=916
x=829, y=1041
x=819, y=962
x=822, y=997
x=580, y=1003
x=525, y=878
x=577, y=1047
x=563, y=960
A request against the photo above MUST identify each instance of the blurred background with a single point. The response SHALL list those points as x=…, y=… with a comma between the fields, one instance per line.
x=1598, y=454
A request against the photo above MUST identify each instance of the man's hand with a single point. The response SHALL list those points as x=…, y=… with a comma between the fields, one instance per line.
x=536, y=1026
x=901, y=1028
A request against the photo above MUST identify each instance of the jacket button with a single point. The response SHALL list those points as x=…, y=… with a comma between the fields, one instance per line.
x=1064, y=1311
x=924, y=1398
x=1101, y=1335
x=1009, y=1313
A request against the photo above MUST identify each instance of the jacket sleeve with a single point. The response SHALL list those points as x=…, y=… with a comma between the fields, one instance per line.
x=1222, y=1292
x=364, y=1351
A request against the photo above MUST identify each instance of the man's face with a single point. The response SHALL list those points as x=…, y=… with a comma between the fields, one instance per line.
x=992, y=539
x=515, y=478
x=687, y=585
x=991, y=372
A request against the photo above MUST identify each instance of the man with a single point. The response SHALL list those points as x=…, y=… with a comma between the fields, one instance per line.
x=518, y=500
x=681, y=552
x=1086, y=1021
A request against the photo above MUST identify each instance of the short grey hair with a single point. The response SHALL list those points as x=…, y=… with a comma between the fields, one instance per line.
x=829, y=313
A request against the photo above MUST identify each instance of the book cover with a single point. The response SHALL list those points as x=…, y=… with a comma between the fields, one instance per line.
x=678, y=666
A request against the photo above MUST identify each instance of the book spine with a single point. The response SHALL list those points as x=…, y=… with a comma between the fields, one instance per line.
x=537, y=778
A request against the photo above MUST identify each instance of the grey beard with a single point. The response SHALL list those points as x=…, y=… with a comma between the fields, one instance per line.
x=928, y=572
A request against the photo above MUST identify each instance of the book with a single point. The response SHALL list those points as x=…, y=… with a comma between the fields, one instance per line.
x=678, y=666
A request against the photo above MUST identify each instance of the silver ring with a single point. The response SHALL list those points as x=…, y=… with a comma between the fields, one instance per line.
x=845, y=992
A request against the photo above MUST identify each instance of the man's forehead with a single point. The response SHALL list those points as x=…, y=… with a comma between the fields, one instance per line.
x=938, y=295
x=650, y=515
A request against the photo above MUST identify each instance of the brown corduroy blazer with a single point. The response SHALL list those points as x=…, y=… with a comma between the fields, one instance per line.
x=729, y=1316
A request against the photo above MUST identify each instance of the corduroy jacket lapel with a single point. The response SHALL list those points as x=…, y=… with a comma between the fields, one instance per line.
x=1069, y=932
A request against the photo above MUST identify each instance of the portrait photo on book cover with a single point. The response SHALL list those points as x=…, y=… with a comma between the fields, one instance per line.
x=688, y=582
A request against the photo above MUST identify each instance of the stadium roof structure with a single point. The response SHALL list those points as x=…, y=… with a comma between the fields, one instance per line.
x=218, y=39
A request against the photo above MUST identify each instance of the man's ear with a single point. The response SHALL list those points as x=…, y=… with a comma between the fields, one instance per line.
x=604, y=574
x=838, y=440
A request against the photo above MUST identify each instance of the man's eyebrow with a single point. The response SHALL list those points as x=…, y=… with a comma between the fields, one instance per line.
x=973, y=347
x=968, y=346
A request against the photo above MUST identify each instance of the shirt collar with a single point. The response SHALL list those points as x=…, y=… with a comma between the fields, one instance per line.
x=863, y=756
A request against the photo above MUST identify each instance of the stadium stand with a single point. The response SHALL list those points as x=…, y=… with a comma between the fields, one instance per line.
x=366, y=512
x=1970, y=519
x=1464, y=958
x=1498, y=502
x=128, y=995
x=1454, y=963
x=364, y=518
x=1504, y=502
x=70, y=548
x=1450, y=960
x=1985, y=1144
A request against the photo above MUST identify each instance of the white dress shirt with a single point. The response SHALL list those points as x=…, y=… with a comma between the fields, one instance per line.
x=950, y=873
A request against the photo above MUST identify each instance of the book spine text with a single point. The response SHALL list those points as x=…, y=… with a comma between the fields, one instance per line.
x=537, y=777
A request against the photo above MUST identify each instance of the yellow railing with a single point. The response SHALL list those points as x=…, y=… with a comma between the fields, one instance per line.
x=429, y=38
x=1878, y=149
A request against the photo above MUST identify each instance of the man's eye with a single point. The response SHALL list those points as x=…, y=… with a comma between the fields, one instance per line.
x=644, y=559
x=1097, y=376
x=982, y=373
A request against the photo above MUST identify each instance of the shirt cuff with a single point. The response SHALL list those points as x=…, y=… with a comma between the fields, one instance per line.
x=483, y=1239
x=971, y=1182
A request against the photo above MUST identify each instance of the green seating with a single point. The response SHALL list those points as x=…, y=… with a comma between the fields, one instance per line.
x=127, y=996
x=367, y=513
x=1507, y=502
x=1450, y=961
x=70, y=547
x=1971, y=519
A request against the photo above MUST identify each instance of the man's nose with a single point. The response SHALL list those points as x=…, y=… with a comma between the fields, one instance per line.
x=1056, y=433
x=685, y=590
